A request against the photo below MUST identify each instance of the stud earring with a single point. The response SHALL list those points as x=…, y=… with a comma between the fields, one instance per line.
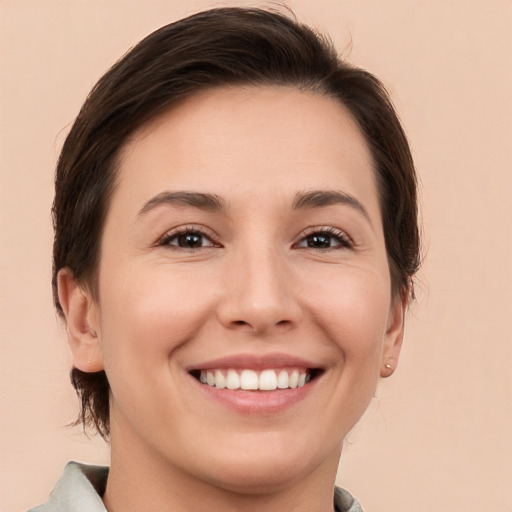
x=389, y=367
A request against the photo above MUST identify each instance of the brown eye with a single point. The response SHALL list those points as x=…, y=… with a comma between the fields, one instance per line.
x=325, y=239
x=188, y=240
x=319, y=241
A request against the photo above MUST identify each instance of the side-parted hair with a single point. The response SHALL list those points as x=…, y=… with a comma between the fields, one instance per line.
x=211, y=49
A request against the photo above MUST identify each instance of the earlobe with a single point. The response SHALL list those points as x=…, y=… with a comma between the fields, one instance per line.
x=81, y=322
x=394, y=336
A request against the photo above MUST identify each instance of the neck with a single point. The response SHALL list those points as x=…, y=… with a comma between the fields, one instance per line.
x=142, y=480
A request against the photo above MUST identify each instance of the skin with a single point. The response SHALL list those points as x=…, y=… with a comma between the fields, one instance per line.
x=252, y=286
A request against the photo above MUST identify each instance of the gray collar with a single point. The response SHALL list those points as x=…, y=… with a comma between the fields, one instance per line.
x=79, y=490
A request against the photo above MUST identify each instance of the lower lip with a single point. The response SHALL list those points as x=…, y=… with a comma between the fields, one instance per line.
x=257, y=403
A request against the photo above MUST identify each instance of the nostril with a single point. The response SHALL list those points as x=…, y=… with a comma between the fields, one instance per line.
x=280, y=323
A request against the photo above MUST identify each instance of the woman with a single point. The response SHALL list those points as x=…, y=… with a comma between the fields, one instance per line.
x=235, y=240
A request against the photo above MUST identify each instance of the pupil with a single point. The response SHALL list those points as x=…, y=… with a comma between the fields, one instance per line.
x=190, y=240
x=319, y=241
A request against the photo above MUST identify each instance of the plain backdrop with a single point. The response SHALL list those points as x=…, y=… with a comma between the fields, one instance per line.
x=438, y=434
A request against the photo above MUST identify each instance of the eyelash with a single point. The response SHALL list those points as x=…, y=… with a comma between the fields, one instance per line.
x=187, y=230
x=343, y=240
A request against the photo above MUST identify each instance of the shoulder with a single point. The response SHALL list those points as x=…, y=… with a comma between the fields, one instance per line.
x=345, y=502
x=78, y=490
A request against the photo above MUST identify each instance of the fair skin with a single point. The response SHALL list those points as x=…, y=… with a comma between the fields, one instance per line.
x=217, y=256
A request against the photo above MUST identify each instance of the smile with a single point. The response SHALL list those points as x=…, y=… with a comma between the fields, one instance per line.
x=251, y=380
x=257, y=385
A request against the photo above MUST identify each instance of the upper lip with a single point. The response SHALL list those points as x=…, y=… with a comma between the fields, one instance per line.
x=256, y=362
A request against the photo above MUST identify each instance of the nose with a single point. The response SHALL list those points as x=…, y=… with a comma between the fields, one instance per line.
x=260, y=293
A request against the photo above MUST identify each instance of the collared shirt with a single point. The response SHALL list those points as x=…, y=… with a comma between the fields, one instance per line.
x=81, y=486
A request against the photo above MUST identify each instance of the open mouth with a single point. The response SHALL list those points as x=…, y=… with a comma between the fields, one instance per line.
x=252, y=380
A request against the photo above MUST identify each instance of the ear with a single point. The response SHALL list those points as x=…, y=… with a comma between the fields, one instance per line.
x=80, y=311
x=394, y=335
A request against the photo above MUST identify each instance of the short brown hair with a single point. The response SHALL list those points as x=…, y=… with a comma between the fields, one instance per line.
x=219, y=47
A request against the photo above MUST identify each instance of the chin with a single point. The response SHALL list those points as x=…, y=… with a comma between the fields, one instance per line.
x=267, y=468
x=257, y=477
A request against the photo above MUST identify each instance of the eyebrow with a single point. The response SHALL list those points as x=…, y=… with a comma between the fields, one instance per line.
x=212, y=202
x=321, y=198
x=209, y=202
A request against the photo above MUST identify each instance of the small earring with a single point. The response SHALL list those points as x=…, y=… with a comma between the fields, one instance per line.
x=389, y=367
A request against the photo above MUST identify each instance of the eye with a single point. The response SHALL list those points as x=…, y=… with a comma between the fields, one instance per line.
x=325, y=238
x=188, y=238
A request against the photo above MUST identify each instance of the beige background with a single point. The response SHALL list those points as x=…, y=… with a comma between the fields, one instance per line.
x=438, y=437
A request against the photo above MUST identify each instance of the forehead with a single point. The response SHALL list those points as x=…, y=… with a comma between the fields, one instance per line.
x=252, y=141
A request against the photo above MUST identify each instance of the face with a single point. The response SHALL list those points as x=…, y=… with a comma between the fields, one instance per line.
x=243, y=248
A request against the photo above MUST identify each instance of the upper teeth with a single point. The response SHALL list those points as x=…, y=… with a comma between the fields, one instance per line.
x=266, y=380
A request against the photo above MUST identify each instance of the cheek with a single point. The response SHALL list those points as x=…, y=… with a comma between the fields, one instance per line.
x=145, y=318
x=352, y=305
